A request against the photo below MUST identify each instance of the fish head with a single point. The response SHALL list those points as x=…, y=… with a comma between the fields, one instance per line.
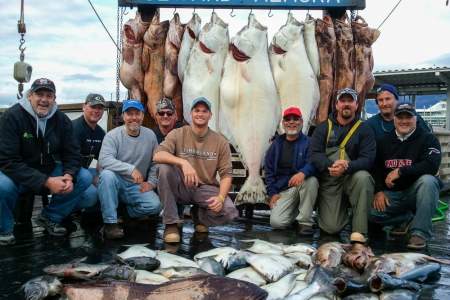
x=249, y=40
x=156, y=34
x=175, y=33
x=130, y=31
x=141, y=26
x=214, y=35
x=287, y=35
x=118, y=272
x=59, y=270
x=41, y=287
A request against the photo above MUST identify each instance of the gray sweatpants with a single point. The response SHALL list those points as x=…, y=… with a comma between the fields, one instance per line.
x=172, y=190
x=296, y=203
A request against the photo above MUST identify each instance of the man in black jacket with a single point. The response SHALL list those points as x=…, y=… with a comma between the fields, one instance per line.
x=38, y=153
x=407, y=192
x=343, y=150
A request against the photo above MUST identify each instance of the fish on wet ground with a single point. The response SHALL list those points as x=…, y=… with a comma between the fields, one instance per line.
x=281, y=288
x=300, y=247
x=140, y=262
x=300, y=259
x=117, y=272
x=169, y=260
x=41, y=287
x=263, y=247
x=319, y=281
x=211, y=266
x=329, y=255
x=147, y=277
x=137, y=251
x=179, y=272
x=76, y=270
x=248, y=274
x=271, y=266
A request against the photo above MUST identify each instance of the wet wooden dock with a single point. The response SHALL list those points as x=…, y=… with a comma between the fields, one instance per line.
x=35, y=249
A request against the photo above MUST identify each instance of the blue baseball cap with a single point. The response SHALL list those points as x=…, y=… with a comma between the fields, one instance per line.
x=388, y=88
x=201, y=100
x=132, y=103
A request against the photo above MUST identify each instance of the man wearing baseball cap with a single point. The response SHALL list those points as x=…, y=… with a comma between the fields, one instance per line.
x=343, y=151
x=89, y=135
x=290, y=180
x=128, y=172
x=386, y=99
x=38, y=154
x=189, y=159
x=407, y=190
x=166, y=118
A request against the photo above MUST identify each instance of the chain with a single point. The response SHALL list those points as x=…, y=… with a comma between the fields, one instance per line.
x=119, y=40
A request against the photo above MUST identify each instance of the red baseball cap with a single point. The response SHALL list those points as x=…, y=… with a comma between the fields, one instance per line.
x=292, y=111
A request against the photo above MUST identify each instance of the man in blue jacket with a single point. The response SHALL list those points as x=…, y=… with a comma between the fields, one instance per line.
x=291, y=186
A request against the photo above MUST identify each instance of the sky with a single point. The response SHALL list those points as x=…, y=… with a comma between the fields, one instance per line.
x=66, y=43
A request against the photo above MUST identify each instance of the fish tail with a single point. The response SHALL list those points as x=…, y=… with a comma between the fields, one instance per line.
x=439, y=260
x=253, y=191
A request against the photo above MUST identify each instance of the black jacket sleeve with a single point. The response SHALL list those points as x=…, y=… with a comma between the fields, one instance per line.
x=429, y=161
x=70, y=156
x=366, y=152
x=317, y=147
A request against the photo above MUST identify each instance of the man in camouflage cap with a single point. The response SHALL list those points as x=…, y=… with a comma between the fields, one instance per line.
x=166, y=119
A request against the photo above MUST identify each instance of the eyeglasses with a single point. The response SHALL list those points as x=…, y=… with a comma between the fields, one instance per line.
x=291, y=118
x=167, y=113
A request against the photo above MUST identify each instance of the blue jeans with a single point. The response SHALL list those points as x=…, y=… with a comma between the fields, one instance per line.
x=88, y=198
x=113, y=187
x=419, y=202
x=60, y=206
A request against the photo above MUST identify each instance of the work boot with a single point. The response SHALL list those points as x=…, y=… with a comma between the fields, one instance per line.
x=112, y=231
x=171, y=234
x=402, y=229
x=51, y=227
x=7, y=239
x=305, y=230
x=200, y=228
x=416, y=242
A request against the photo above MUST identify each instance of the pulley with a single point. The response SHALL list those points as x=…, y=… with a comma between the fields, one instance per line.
x=22, y=70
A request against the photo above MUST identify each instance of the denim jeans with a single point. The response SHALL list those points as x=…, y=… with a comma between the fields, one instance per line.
x=88, y=198
x=113, y=187
x=60, y=206
x=419, y=202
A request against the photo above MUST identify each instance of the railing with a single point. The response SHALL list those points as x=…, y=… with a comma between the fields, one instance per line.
x=444, y=139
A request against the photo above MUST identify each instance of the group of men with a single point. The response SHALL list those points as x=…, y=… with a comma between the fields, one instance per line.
x=381, y=171
x=42, y=151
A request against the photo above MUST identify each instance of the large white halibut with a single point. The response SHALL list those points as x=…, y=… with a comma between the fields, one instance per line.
x=249, y=104
x=191, y=31
x=204, y=68
x=295, y=79
x=311, y=44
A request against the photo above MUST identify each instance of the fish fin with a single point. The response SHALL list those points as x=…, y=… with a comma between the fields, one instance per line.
x=253, y=191
x=438, y=260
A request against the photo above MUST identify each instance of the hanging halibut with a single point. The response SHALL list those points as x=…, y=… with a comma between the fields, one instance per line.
x=172, y=84
x=326, y=42
x=191, y=31
x=364, y=38
x=311, y=44
x=204, y=69
x=131, y=73
x=153, y=62
x=249, y=104
x=294, y=77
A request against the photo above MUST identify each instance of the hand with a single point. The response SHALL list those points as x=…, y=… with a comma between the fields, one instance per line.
x=215, y=203
x=56, y=185
x=297, y=179
x=337, y=170
x=95, y=180
x=190, y=175
x=146, y=186
x=380, y=201
x=273, y=200
x=341, y=162
x=68, y=179
x=137, y=176
x=393, y=175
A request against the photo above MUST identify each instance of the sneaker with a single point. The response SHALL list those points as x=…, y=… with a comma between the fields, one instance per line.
x=7, y=239
x=112, y=231
x=51, y=227
x=402, y=229
x=416, y=242
x=305, y=230
x=200, y=228
x=171, y=234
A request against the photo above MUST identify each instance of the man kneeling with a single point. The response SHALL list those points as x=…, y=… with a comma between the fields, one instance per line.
x=190, y=158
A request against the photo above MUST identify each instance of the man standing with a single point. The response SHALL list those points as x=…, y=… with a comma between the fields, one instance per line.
x=127, y=172
x=383, y=122
x=166, y=119
x=291, y=186
x=343, y=150
x=190, y=158
x=38, y=153
x=90, y=135
x=407, y=192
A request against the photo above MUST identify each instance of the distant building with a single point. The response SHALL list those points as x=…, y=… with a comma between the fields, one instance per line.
x=435, y=114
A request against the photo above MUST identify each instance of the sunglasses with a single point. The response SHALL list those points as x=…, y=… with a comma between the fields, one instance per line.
x=167, y=113
x=291, y=118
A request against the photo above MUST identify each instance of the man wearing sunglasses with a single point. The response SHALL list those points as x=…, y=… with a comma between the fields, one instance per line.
x=166, y=119
x=291, y=186
x=343, y=151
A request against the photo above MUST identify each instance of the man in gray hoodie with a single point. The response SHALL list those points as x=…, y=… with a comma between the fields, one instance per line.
x=38, y=154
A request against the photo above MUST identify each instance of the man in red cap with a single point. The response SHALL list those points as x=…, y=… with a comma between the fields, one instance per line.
x=291, y=186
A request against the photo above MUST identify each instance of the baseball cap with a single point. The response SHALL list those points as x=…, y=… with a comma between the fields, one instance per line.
x=405, y=107
x=389, y=88
x=347, y=91
x=201, y=100
x=165, y=103
x=43, y=84
x=95, y=99
x=292, y=111
x=132, y=103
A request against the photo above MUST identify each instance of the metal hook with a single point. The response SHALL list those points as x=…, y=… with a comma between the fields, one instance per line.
x=174, y=11
x=231, y=13
x=251, y=11
x=270, y=14
x=194, y=11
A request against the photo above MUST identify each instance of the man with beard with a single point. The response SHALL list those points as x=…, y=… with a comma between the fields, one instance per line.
x=383, y=122
x=89, y=135
x=128, y=172
x=38, y=154
x=407, y=190
x=291, y=186
x=166, y=119
x=343, y=150
x=190, y=158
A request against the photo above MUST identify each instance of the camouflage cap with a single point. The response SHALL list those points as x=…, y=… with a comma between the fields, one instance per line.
x=165, y=103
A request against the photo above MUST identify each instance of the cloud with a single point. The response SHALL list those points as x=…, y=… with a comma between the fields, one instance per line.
x=82, y=77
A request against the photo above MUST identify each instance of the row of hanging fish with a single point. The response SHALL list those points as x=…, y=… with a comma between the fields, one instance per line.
x=247, y=82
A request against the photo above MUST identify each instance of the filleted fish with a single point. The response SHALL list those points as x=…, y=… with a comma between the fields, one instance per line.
x=137, y=251
x=271, y=266
x=248, y=274
x=169, y=260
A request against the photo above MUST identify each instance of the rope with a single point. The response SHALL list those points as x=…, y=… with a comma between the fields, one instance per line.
x=389, y=14
x=440, y=211
x=106, y=29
